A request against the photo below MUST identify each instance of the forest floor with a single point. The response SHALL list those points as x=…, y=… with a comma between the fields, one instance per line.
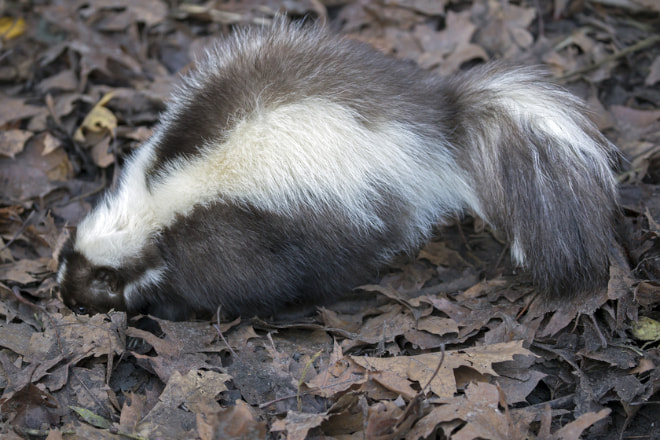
x=449, y=343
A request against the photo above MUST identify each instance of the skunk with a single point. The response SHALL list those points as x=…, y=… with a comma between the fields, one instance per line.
x=294, y=163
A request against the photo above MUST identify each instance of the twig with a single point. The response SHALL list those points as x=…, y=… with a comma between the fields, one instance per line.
x=603, y=340
x=415, y=402
x=24, y=226
x=435, y=373
x=293, y=396
x=217, y=327
x=302, y=377
x=650, y=41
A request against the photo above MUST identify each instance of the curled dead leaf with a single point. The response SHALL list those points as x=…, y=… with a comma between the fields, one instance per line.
x=99, y=122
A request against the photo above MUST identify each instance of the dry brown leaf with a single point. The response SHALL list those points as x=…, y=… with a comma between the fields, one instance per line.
x=427, y=7
x=338, y=376
x=574, y=430
x=15, y=109
x=468, y=319
x=149, y=12
x=517, y=383
x=24, y=271
x=393, y=382
x=503, y=26
x=102, y=154
x=84, y=383
x=235, y=422
x=180, y=350
x=654, y=72
x=482, y=288
x=633, y=124
x=394, y=294
x=394, y=321
x=437, y=325
x=82, y=337
x=647, y=294
x=13, y=141
x=53, y=434
x=451, y=47
x=65, y=80
x=16, y=337
x=197, y=390
x=240, y=335
x=297, y=425
x=382, y=418
x=478, y=409
x=32, y=174
x=132, y=412
x=334, y=320
x=420, y=368
x=439, y=254
x=30, y=407
x=51, y=144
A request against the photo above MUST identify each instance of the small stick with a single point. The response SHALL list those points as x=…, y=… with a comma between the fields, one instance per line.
x=650, y=41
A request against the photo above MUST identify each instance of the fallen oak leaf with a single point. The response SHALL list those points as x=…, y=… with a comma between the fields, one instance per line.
x=236, y=422
x=13, y=141
x=420, y=368
x=477, y=410
x=386, y=421
x=392, y=426
x=574, y=430
x=15, y=109
x=338, y=375
x=185, y=396
x=25, y=271
x=297, y=424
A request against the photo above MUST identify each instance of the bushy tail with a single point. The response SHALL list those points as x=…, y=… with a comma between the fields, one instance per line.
x=542, y=172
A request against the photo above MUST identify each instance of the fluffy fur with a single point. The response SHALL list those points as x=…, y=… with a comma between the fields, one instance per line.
x=294, y=163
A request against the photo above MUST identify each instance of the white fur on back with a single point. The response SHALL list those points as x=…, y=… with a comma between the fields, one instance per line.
x=311, y=155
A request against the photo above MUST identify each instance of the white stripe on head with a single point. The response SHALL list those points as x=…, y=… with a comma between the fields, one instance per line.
x=60, y=272
x=151, y=277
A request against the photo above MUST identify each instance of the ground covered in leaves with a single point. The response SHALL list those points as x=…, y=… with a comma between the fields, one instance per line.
x=451, y=342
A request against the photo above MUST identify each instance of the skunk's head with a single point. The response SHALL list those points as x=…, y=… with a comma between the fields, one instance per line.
x=87, y=288
x=94, y=279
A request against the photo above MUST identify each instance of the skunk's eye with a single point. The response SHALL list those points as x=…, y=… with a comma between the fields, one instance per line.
x=80, y=310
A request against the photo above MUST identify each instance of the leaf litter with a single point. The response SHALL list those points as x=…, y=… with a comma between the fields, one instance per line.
x=450, y=343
